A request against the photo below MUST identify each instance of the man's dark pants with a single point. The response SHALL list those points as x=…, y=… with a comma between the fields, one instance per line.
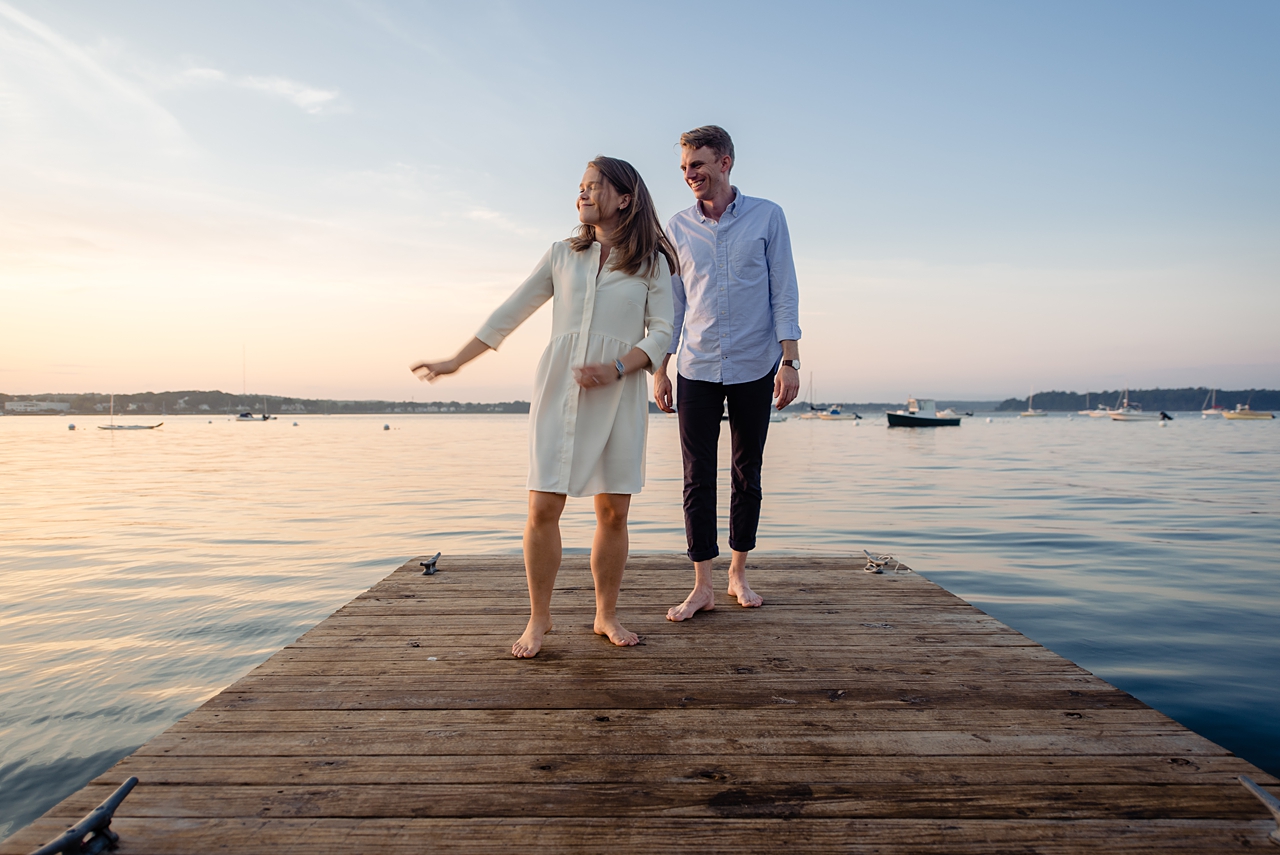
x=700, y=405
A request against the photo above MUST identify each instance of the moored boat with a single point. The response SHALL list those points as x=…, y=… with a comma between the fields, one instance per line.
x=1031, y=411
x=837, y=414
x=113, y=426
x=1242, y=412
x=1099, y=412
x=1130, y=412
x=1210, y=407
x=921, y=413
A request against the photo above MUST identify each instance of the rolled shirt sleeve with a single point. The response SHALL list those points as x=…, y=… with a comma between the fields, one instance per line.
x=517, y=308
x=784, y=292
x=678, y=306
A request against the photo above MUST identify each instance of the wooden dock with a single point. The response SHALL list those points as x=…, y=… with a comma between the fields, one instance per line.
x=853, y=713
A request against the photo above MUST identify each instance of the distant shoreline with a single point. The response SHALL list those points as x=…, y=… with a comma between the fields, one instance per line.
x=218, y=403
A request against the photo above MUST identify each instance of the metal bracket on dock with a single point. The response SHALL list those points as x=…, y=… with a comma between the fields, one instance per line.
x=429, y=566
x=92, y=834
x=1272, y=803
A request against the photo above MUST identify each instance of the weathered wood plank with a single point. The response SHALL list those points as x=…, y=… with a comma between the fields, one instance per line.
x=655, y=835
x=554, y=767
x=709, y=800
x=1136, y=720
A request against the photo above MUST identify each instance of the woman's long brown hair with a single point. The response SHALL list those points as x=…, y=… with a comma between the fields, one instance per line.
x=639, y=237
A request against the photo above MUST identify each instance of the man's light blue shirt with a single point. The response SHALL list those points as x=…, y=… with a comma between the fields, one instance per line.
x=736, y=296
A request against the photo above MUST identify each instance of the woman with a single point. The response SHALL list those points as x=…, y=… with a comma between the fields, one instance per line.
x=610, y=287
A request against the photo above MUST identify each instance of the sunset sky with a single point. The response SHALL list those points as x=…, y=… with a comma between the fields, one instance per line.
x=983, y=196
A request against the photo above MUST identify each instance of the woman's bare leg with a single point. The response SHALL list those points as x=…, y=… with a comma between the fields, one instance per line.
x=541, y=564
x=608, y=559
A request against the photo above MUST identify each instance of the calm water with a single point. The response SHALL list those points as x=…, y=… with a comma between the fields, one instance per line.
x=142, y=572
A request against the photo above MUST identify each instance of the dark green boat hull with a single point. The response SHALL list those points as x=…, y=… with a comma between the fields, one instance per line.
x=899, y=420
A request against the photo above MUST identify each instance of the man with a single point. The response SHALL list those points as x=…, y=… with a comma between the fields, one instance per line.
x=736, y=333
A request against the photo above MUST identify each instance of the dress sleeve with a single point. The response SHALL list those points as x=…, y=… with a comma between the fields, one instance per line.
x=526, y=300
x=658, y=314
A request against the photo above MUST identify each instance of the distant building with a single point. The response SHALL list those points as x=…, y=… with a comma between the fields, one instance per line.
x=36, y=407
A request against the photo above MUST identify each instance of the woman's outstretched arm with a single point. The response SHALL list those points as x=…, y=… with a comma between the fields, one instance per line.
x=433, y=371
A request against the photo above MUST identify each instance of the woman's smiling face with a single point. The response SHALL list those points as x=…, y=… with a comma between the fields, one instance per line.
x=599, y=201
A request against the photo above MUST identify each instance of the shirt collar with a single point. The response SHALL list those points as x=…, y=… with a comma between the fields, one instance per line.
x=731, y=211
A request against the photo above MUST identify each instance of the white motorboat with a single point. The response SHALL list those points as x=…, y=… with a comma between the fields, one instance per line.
x=837, y=414
x=1099, y=412
x=922, y=413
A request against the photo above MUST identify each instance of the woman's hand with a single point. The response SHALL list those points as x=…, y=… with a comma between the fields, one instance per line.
x=433, y=371
x=596, y=375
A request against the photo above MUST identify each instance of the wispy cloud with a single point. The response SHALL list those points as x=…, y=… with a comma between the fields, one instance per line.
x=88, y=77
x=498, y=220
x=307, y=98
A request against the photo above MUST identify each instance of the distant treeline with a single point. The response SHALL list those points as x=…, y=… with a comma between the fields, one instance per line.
x=197, y=403
x=1169, y=400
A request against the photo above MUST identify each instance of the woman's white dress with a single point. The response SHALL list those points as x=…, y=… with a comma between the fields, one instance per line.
x=588, y=441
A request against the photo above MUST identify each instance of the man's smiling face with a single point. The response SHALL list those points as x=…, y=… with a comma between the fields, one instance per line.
x=704, y=171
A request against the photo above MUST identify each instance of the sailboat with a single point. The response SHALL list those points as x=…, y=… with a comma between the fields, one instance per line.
x=813, y=412
x=1210, y=406
x=113, y=426
x=1031, y=411
x=1129, y=412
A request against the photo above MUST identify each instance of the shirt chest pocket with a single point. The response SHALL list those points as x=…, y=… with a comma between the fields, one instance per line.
x=747, y=258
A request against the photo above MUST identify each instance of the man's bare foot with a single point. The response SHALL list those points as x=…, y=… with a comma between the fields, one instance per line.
x=615, y=632
x=746, y=597
x=528, y=645
x=699, y=600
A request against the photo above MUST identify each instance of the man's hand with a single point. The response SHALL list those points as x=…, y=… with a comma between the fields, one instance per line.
x=662, y=390
x=786, y=385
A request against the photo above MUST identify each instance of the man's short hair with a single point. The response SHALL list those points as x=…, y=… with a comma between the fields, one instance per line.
x=713, y=137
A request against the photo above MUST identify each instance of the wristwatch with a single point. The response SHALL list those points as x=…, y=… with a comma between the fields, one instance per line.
x=791, y=363
x=619, y=367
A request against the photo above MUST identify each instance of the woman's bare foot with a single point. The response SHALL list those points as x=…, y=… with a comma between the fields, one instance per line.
x=615, y=632
x=528, y=645
x=699, y=600
x=746, y=597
